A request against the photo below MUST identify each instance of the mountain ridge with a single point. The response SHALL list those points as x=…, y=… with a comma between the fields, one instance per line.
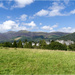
x=68, y=37
x=30, y=36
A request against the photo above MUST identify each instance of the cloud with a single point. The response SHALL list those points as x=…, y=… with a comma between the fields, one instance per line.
x=40, y=24
x=2, y=6
x=21, y=3
x=42, y=13
x=23, y=17
x=66, y=1
x=54, y=10
x=54, y=26
x=11, y=25
x=67, y=29
x=8, y=17
x=49, y=28
x=7, y=25
x=72, y=12
x=9, y=1
x=32, y=24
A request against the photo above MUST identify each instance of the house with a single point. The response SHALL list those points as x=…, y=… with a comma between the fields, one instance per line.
x=47, y=42
x=37, y=44
x=23, y=43
x=68, y=42
x=33, y=44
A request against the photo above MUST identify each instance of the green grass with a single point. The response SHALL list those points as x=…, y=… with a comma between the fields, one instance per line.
x=36, y=61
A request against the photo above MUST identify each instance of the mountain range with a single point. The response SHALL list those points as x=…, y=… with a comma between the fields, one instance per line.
x=30, y=36
x=70, y=36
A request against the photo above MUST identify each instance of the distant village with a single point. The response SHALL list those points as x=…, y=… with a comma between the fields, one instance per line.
x=68, y=42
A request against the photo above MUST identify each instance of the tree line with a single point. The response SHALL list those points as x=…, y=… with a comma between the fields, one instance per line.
x=42, y=45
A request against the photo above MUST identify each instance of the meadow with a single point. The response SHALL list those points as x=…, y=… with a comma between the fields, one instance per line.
x=36, y=61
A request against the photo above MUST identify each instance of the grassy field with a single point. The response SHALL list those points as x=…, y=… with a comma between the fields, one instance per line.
x=36, y=61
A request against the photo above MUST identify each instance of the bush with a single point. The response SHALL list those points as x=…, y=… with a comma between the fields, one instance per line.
x=57, y=46
x=71, y=47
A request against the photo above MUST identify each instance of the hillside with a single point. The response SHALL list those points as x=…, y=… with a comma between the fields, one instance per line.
x=68, y=37
x=30, y=36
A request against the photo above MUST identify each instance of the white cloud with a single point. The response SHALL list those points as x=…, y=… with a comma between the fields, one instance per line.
x=7, y=25
x=42, y=13
x=8, y=17
x=54, y=26
x=11, y=25
x=9, y=1
x=72, y=12
x=20, y=28
x=32, y=24
x=47, y=28
x=50, y=28
x=40, y=24
x=55, y=9
x=67, y=29
x=21, y=3
x=2, y=6
x=23, y=17
x=66, y=1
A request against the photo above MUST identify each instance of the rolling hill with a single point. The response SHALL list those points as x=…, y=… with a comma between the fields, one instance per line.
x=68, y=37
x=30, y=36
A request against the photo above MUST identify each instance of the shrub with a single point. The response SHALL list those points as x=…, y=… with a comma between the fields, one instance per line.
x=57, y=46
x=71, y=47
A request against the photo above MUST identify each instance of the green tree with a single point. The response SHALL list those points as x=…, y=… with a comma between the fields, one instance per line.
x=52, y=40
x=1, y=44
x=42, y=44
x=28, y=45
x=7, y=44
x=71, y=47
x=19, y=45
x=57, y=46
x=25, y=40
x=15, y=44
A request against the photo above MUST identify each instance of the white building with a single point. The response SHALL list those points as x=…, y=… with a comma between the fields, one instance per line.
x=68, y=42
x=37, y=44
x=23, y=43
x=33, y=44
x=47, y=42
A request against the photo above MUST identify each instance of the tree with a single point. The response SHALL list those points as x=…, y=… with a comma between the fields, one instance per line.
x=19, y=45
x=71, y=47
x=28, y=45
x=1, y=44
x=25, y=40
x=57, y=46
x=52, y=40
x=42, y=44
x=7, y=44
x=14, y=44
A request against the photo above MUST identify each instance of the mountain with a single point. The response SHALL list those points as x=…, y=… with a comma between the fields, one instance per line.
x=70, y=36
x=30, y=36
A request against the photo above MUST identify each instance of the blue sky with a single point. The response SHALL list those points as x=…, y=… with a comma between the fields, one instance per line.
x=37, y=15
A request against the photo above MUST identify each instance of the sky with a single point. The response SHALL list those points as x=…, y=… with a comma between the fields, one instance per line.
x=37, y=15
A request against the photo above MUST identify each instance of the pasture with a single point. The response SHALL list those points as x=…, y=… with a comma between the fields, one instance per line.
x=36, y=61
